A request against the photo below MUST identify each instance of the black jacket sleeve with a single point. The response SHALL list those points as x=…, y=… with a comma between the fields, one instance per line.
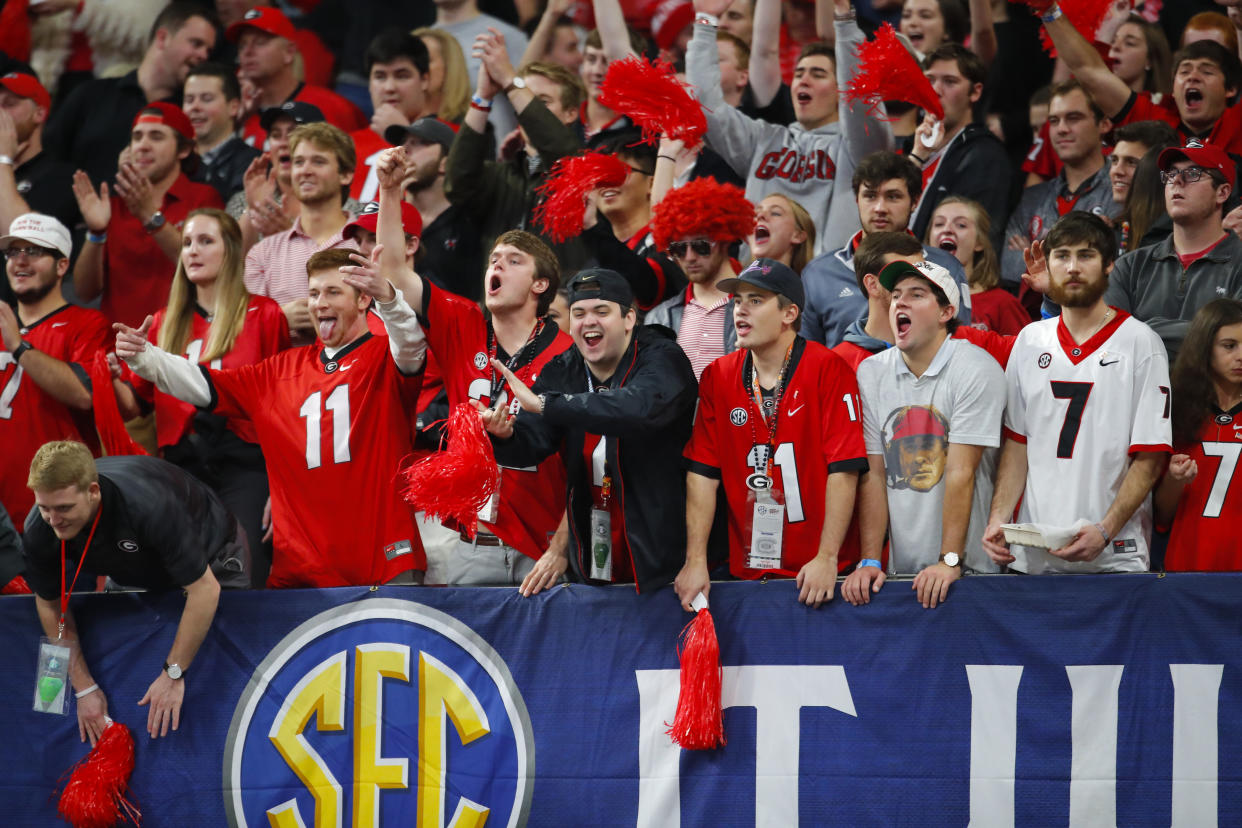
x=653, y=278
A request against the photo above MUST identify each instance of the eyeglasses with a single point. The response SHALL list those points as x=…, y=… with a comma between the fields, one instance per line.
x=1189, y=175
x=31, y=252
x=701, y=247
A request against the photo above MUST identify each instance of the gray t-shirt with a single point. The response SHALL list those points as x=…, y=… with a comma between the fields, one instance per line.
x=911, y=421
x=502, y=117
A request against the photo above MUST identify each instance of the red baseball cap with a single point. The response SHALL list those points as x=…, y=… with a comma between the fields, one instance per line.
x=668, y=18
x=1207, y=156
x=164, y=113
x=265, y=19
x=27, y=86
x=917, y=421
x=368, y=219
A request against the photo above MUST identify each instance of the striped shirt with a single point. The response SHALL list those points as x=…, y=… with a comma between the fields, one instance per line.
x=701, y=334
x=276, y=266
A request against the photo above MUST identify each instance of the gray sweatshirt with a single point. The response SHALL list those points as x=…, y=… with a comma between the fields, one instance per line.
x=803, y=165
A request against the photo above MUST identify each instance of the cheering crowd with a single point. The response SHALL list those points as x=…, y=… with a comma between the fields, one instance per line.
x=954, y=307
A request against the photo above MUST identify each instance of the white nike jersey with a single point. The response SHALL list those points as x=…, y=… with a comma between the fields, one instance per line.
x=1082, y=411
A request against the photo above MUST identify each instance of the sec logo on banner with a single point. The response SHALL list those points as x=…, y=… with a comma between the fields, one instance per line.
x=373, y=713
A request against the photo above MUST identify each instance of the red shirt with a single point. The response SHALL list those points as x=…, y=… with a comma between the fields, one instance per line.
x=853, y=354
x=264, y=333
x=136, y=273
x=1204, y=537
x=368, y=146
x=29, y=416
x=818, y=432
x=998, y=310
x=532, y=500
x=336, y=110
x=1225, y=133
x=335, y=433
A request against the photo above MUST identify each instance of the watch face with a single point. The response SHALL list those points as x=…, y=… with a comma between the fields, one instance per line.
x=174, y=671
x=952, y=559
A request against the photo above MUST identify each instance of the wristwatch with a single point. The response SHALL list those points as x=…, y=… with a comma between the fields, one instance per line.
x=174, y=671
x=155, y=222
x=517, y=83
x=21, y=349
x=951, y=559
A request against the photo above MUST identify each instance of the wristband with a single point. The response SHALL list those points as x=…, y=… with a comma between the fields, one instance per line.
x=7, y=160
x=707, y=19
x=1107, y=537
x=20, y=350
x=479, y=102
x=846, y=17
x=97, y=238
x=914, y=157
x=869, y=562
x=667, y=157
x=87, y=691
x=1052, y=14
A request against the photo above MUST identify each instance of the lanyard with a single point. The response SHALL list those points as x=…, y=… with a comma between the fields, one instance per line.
x=755, y=395
x=64, y=596
x=497, y=383
x=606, y=480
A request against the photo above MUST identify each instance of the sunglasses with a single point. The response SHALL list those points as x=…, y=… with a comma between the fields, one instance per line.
x=701, y=247
x=32, y=252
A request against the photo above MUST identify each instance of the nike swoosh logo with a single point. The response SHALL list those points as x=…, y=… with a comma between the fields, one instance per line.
x=794, y=411
x=58, y=324
x=345, y=368
x=1114, y=362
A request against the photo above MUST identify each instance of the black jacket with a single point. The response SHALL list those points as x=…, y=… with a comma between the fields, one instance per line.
x=646, y=415
x=975, y=166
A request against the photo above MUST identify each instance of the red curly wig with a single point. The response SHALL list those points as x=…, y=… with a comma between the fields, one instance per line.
x=702, y=208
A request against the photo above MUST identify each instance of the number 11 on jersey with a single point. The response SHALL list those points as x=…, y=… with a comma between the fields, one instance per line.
x=312, y=412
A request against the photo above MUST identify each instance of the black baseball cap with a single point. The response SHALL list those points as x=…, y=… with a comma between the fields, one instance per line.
x=431, y=130
x=768, y=274
x=598, y=283
x=300, y=111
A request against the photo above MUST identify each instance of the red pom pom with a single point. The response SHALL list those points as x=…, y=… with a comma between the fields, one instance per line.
x=704, y=208
x=650, y=95
x=112, y=434
x=17, y=586
x=565, y=191
x=888, y=72
x=699, y=724
x=1084, y=15
x=95, y=794
x=454, y=483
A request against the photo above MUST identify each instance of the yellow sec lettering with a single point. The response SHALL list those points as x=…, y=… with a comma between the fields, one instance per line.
x=372, y=772
x=441, y=693
x=321, y=693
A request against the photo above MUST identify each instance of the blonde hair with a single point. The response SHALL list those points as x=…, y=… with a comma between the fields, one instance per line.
x=62, y=463
x=328, y=137
x=232, y=298
x=799, y=254
x=984, y=266
x=455, y=90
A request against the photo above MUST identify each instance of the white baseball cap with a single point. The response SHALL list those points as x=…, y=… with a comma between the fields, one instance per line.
x=40, y=229
x=894, y=272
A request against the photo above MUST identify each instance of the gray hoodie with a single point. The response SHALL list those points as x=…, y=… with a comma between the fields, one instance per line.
x=801, y=164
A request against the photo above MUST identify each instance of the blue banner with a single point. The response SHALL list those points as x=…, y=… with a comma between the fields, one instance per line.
x=1061, y=700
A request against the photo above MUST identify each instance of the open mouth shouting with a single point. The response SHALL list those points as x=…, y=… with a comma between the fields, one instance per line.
x=947, y=243
x=493, y=284
x=1193, y=97
x=802, y=98
x=903, y=324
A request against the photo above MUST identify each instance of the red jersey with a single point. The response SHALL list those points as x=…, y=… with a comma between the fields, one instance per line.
x=532, y=500
x=369, y=147
x=1226, y=133
x=29, y=416
x=335, y=434
x=136, y=273
x=336, y=110
x=818, y=432
x=998, y=310
x=1204, y=537
x=852, y=353
x=264, y=333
